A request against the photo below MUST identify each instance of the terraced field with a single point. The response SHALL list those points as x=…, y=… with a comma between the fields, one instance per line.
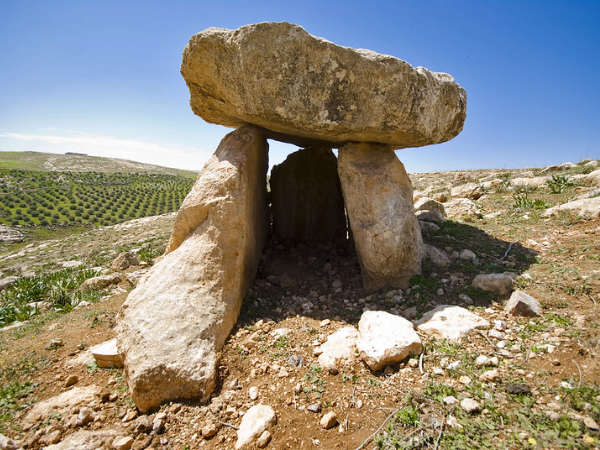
x=34, y=198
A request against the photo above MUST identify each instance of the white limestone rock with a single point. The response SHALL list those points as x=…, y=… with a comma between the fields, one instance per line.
x=107, y=356
x=588, y=208
x=386, y=339
x=450, y=322
x=462, y=208
x=339, y=350
x=495, y=282
x=522, y=304
x=258, y=419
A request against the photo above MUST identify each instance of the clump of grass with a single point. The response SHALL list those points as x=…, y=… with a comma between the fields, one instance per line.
x=58, y=288
x=559, y=183
x=522, y=201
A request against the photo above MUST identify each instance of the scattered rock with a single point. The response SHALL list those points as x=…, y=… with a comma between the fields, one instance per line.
x=462, y=208
x=209, y=429
x=101, y=282
x=591, y=424
x=468, y=255
x=472, y=191
x=429, y=204
x=122, y=443
x=253, y=393
x=71, y=380
x=431, y=216
x=470, y=406
x=314, y=407
x=7, y=443
x=264, y=439
x=124, y=261
x=517, y=388
x=490, y=375
x=386, y=339
x=495, y=282
x=10, y=235
x=258, y=419
x=339, y=350
x=378, y=198
x=329, y=420
x=428, y=227
x=86, y=440
x=107, y=356
x=588, y=208
x=535, y=182
x=522, y=304
x=296, y=361
x=323, y=93
x=450, y=322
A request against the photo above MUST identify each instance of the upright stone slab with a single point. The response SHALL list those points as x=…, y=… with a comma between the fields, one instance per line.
x=306, y=197
x=174, y=323
x=311, y=92
x=378, y=197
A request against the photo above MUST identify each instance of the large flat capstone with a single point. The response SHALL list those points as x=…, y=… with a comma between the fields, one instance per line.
x=308, y=91
x=175, y=322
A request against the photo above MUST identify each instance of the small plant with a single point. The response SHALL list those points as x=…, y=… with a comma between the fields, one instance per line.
x=282, y=342
x=522, y=201
x=559, y=183
x=409, y=415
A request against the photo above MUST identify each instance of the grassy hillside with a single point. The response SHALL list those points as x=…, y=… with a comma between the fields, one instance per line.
x=49, y=198
x=51, y=162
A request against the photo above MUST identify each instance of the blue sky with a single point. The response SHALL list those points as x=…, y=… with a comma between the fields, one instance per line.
x=102, y=77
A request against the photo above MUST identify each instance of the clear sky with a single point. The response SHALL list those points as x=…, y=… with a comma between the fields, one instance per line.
x=102, y=77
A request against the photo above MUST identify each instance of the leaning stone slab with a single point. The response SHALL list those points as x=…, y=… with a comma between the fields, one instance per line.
x=386, y=339
x=339, y=349
x=311, y=92
x=107, y=356
x=175, y=322
x=588, y=208
x=450, y=322
x=522, y=304
x=429, y=204
x=378, y=196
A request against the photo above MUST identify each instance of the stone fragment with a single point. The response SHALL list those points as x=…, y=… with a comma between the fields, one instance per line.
x=535, y=182
x=429, y=204
x=594, y=177
x=588, y=208
x=142, y=425
x=314, y=407
x=591, y=424
x=61, y=404
x=472, y=191
x=122, y=443
x=306, y=197
x=253, y=393
x=432, y=216
x=101, y=282
x=107, y=356
x=71, y=380
x=86, y=440
x=176, y=321
x=495, y=282
x=470, y=406
x=339, y=350
x=386, y=339
x=10, y=235
x=264, y=439
x=158, y=424
x=490, y=375
x=450, y=322
x=258, y=419
x=378, y=198
x=462, y=208
x=51, y=438
x=7, y=443
x=329, y=420
x=522, y=304
x=468, y=255
x=428, y=227
x=124, y=261
x=209, y=429
x=308, y=91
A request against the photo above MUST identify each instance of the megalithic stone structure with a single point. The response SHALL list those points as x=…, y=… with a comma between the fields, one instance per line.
x=275, y=80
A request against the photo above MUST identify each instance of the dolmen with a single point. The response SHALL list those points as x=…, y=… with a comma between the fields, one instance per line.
x=276, y=81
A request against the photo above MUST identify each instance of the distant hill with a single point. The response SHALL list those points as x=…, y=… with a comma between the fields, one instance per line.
x=77, y=162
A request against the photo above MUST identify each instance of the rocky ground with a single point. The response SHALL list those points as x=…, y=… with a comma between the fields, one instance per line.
x=520, y=382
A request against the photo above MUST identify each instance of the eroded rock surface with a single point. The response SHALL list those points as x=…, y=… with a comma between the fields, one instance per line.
x=309, y=91
x=378, y=197
x=174, y=323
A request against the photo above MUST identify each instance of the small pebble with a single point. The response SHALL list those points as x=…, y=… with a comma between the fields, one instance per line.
x=470, y=406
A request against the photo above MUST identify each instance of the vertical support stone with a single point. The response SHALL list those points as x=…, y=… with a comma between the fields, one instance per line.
x=175, y=322
x=378, y=198
x=306, y=197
